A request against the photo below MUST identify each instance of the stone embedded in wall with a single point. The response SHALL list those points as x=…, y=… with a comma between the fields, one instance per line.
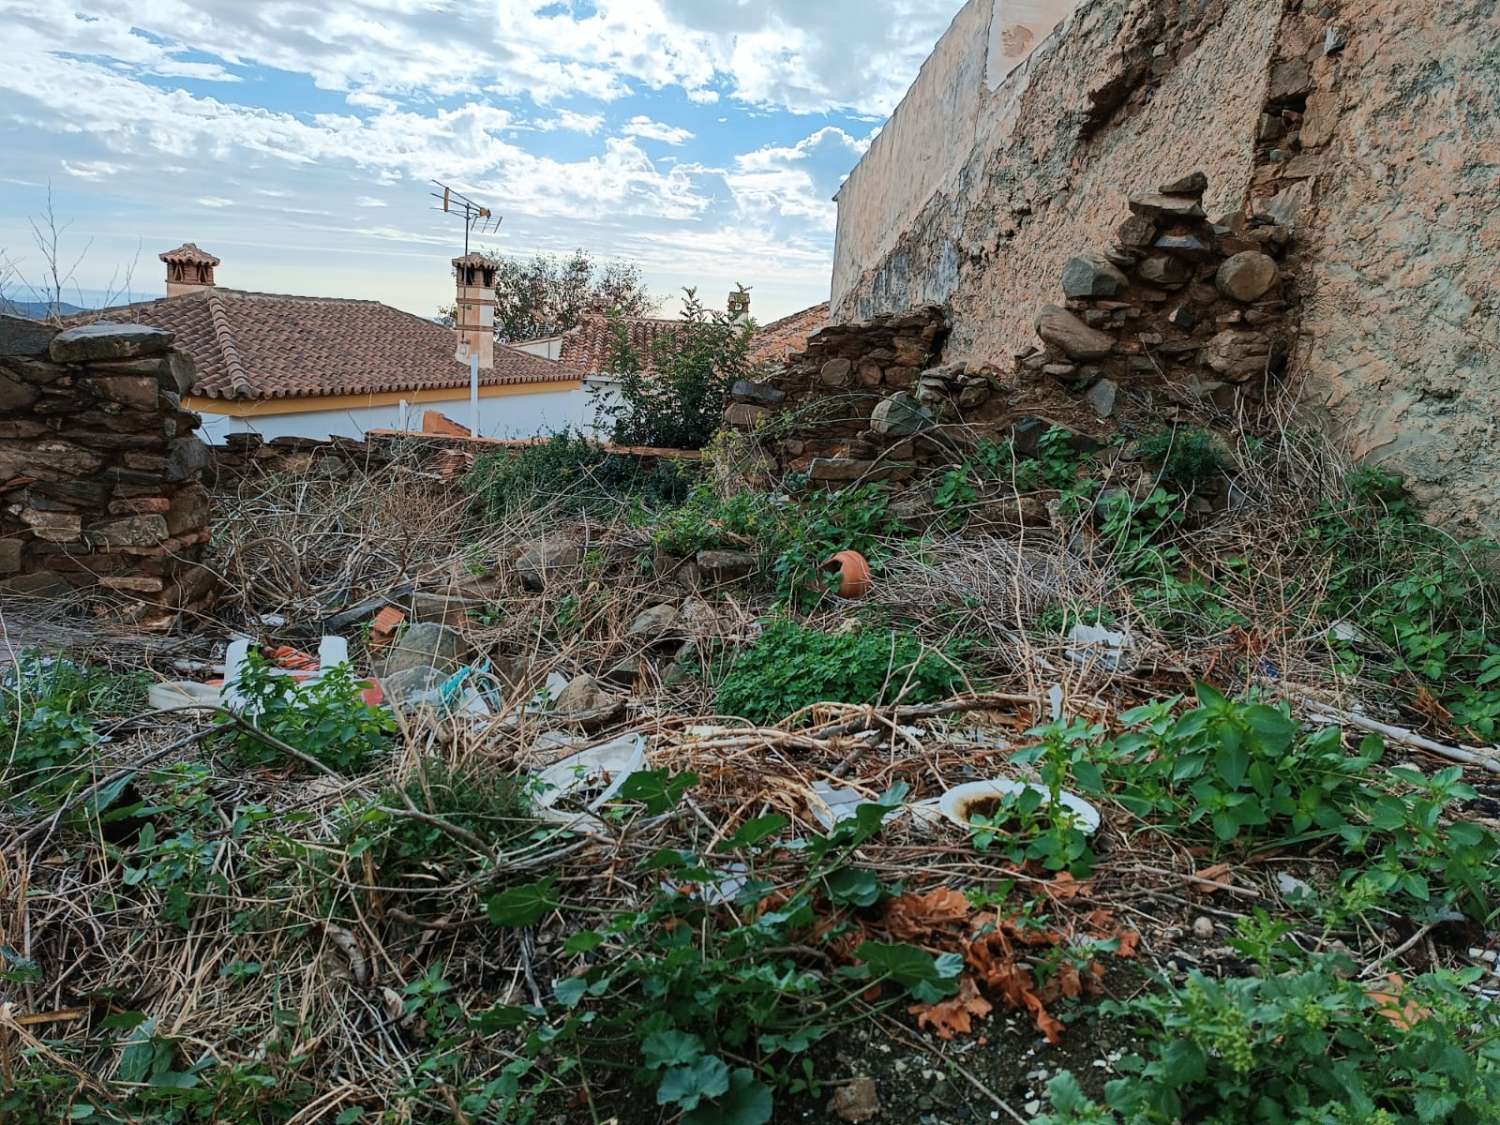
x=1074, y=338
x=99, y=472
x=1247, y=275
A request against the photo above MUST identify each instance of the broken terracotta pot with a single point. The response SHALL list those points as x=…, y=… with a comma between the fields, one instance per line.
x=853, y=572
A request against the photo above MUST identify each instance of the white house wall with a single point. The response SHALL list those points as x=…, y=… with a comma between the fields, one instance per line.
x=506, y=416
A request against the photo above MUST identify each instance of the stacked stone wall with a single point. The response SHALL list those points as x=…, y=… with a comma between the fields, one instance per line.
x=101, y=488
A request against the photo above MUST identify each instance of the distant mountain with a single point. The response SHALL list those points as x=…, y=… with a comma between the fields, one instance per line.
x=38, y=310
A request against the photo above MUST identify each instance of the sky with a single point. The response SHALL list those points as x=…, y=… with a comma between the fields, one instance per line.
x=296, y=139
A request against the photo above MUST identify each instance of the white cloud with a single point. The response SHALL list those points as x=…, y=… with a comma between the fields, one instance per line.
x=91, y=169
x=795, y=181
x=644, y=127
x=572, y=122
x=215, y=201
x=369, y=201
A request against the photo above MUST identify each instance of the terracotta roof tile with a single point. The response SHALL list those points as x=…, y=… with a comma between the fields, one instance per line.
x=269, y=345
x=588, y=348
x=191, y=253
x=774, y=342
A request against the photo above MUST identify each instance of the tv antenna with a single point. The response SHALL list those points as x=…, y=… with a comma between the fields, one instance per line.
x=476, y=217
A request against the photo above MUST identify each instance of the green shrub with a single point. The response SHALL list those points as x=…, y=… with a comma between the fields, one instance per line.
x=679, y=403
x=1187, y=458
x=48, y=712
x=791, y=666
x=576, y=476
x=1305, y=1044
x=326, y=718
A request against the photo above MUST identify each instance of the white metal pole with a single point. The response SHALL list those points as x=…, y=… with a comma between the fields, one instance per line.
x=474, y=395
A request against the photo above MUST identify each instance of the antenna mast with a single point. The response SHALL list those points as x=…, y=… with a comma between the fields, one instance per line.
x=476, y=217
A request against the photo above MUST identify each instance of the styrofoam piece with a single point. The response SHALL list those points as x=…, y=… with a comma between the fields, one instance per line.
x=332, y=651
x=953, y=802
x=183, y=693
x=607, y=765
x=234, y=667
x=1092, y=644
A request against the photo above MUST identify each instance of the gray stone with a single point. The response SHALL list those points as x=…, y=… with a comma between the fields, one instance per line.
x=187, y=457
x=1290, y=79
x=16, y=395
x=135, y=531
x=1060, y=328
x=108, y=341
x=836, y=373
x=1167, y=206
x=539, y=562
x=22, y=337
x=1195, y=183
x=1137, y=231
x=1089, y=275
x=11, y=552
x=428, y=644
x=718, y=567
x=760, y=394
x=1238, y=353
x=402, y=685
x=899, y=416
x=179, y=374
x=746, y=415
x=1271, y=128
x=1164, y=269
x=974, y=396
x=1247, y=276
x=46, y=460
x=138, y=392
x=53, y=526
x=1188, y=245
x=1101, y=397
x=1335, y=39
x=22, y=428
x=654, y=623
x=584, y=695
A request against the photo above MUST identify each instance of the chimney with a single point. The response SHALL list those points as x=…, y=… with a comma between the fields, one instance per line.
x=739, y=304
x=189, y=269
x=474, y=309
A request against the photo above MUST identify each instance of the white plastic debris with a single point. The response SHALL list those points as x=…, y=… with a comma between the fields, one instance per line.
x=604, y=768
x=957, y=802
x=1091, y=644
x=183, y=693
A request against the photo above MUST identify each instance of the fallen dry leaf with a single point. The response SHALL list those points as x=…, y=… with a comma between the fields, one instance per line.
x=955, y=1016
x=1203, y=881
x=1404, y=1015
x=913, y=915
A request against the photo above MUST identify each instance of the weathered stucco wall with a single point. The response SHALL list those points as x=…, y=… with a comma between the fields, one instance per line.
x=1123, y=95
x=1401, y=332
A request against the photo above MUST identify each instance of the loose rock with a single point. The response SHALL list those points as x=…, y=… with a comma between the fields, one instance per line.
x=1247, y=276
x=1060, y=328
x=1089, y=275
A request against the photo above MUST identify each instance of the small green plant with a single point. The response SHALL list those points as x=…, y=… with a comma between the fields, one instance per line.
x=792, y=666
x=706, y=1006
x=49, y=709
x=1306, y=1044
x=1186, y=458
x=326, y=718
x=576, y=476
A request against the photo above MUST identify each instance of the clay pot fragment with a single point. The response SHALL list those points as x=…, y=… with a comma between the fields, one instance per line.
x=853, y=572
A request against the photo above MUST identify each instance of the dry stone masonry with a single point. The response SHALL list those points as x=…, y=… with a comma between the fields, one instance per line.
x=100, y=470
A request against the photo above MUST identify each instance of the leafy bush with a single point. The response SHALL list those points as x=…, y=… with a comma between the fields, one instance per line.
x=1304, y=1044
x=679, y=403
x=48, y=712
x=1187, y=458
x=326, y=718
x=792, y=666
x=576, y=476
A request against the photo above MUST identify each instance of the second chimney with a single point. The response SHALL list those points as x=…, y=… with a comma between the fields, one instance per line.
x=189, y=269
x=474, y=308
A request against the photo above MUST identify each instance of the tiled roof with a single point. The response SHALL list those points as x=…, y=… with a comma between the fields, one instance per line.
x=776, y=341
x=190, y=253
x=269, y=345
x=588, y=348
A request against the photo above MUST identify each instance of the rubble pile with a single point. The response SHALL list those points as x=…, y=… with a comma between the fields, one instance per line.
x=100, y=470
x=1181, y=312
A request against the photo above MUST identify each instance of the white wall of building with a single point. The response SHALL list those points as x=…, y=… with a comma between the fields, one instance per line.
x=535, y=414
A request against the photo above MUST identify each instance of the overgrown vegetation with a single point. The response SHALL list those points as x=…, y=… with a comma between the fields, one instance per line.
x=791, y=667
x=674, y=398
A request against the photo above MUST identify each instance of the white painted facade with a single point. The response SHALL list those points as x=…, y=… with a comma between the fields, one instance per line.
x=533, y=414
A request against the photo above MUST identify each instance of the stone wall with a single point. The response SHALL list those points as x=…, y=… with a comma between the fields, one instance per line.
x=1401, y=334
x=1176, y=317
x=1367, y=129
x=100, y=471
x=1124, y=95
